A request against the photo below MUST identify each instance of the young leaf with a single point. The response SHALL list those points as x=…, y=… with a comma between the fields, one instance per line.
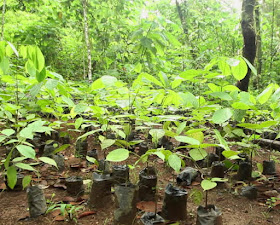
x=92, y=160
x=118, y=155
x=174, y=162
x=265, y=95
x=197, y=154
x=107, y=143
x=189, y=140
x=26, y=151
x=78, y=122
x=208, y=185
x=8, y=132
x=221, y=140
x=240, y=71
x=12, y=176
x=48, y=161
x=26, y=181
x=25, y=166
x=222, y=115
x=61, y=148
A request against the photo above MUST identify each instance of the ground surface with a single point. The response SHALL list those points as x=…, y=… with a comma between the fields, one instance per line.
x=236, y=210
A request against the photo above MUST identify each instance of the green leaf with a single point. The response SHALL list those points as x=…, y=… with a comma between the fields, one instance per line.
x=5, y=65
x=208, y=185
x=12, y=176
x=107, y=143
x=37, y=58
x=118, y=155
x=24, y=166
x=189, y=140
x=174, y=162
x=181, y=127
x=224, y=67
x=196, y=134
x=8, y=132
x=198, y=154
x=265, y=95
x=92, y=160
x=26, y=181
x=26, y=151
x=190, y=74
x=229, y=153
x=78, y=122
x=40, y=76
x=240, y=71
x=157, y=133
x=48, y=161
x=221, y=95
x=61, y=148
x=222, y=115
x=221, y=140
x=253, y=69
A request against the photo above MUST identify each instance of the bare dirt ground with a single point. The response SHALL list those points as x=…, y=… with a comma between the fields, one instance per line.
x=236, y=210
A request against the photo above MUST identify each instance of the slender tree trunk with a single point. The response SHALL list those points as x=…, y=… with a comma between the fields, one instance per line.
x=259, y=43
x=86, y=30
x=249, y=38
x=3, y=19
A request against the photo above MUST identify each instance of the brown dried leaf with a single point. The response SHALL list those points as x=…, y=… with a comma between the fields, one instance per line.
x=84, y=214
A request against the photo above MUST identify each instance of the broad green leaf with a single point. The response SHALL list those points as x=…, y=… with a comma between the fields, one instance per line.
x=78, y=122
x=196, y=134
x=221, y=95
x=240, y=105
x=40, y=76
x=107, y=143
x=240, y=71
x=26, y=181
x=92, y=160
x=61, y=148
x=189, y=140
x=208, y=185
x=26, y=151
x=150, y=78
x=222, y=141
x=253, y=69
x=222, y=115
x=229, y=153
x=265, y=95
x=174, y=162
x=181, y=127
x=198, y=154
x=88, y=133
x=157, y=133
x=118, y=155
x=12, y=176
x=224, y=67
x=8, y=132
x=190, y=74
x=5, y=65
x=37, y=58
x=68, y=101
x=48, y=161
x=25, y=166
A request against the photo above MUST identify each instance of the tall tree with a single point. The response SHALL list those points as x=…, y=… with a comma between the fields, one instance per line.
x=86, y=31
x=249, y=38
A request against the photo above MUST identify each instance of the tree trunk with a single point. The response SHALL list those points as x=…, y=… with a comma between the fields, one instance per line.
x=3, y=19
x=249, y=38
x=86, y=30
x=259, y=43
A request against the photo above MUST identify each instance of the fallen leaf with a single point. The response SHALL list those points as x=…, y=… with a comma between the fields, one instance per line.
x=60, y=186
x=148, y=206
x=84, y=214
x=68, y=199
x=59, y=218
x=56, y=212
x=3, y=186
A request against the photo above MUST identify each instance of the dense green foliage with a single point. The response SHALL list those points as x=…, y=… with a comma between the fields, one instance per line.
x=132, y=36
